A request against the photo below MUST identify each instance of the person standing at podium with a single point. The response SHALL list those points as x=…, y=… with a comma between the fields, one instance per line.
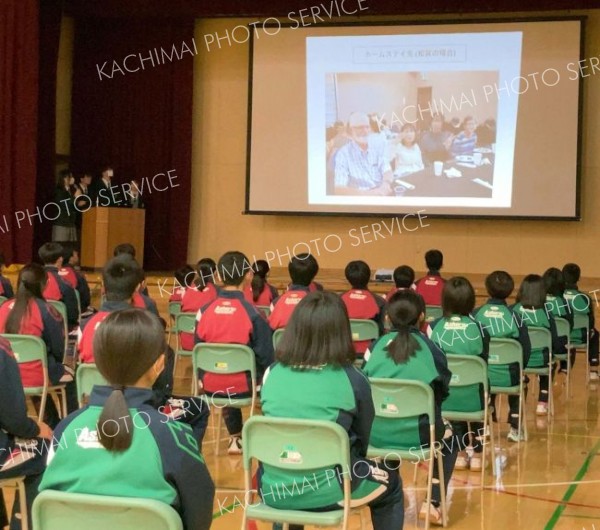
x=63, y=228
x=104, y=193
x=133, y=197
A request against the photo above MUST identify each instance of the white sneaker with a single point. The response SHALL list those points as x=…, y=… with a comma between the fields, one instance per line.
x=542, y=409
x=594, y=375
x=235, y=446
x=514, y=436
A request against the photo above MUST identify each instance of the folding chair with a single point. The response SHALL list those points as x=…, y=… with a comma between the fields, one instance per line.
x=87, y=376
x=224, y=359
x=542, y=338
x=504, y=352
x=174, y=310
x=58, y=510
x=432, y=312
x=62, y=309
x=397, y=399
x=320, y=444
x=19, y=484
x=277, y=334
x=184, y=323
x=363, y=330
x=581, y=323
x=469, y=370
x=31, y=349
x=563, y=329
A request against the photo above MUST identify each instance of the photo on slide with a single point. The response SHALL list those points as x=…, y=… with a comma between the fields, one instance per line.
x=410, y=134
x=412, y=120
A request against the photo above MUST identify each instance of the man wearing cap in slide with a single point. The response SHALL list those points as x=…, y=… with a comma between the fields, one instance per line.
x=361, y=167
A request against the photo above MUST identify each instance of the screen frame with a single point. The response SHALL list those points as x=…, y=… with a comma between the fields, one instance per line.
x=582, y=19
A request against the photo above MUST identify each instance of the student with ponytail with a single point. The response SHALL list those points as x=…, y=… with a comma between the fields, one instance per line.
x=120, y=442
x=260, y=292
x=405, y=353
x=29, y=314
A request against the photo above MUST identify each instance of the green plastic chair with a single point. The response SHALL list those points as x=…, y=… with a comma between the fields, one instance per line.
x=563, y=329
x=581, y=321
x=505, y=352
x=174, y=310
x=363, y=329
x=396, y=399
x=184, y=322
x=469, y=370
x=224, y=359
x=542, y=338
x=321, y=444
x=62, y=309
x=264, y=309
x=277, y=334
x=3, y=299
x=58, y=510
x=432, y=312
x=78, y=296
x=87, y=376
x=27, y=349
x=19, y=484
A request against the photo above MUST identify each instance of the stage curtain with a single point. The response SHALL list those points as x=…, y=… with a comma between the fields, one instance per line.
x=139, y=122
x=18, y=124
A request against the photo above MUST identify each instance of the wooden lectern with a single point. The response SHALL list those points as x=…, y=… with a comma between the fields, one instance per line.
x=105, y=228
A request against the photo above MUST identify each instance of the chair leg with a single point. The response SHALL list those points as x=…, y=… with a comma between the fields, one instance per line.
x=219, y=419
x=43, y=405
x=23, y=505
x=416, y=464
x=63, y=400
x=429, y=486
x=443, y=504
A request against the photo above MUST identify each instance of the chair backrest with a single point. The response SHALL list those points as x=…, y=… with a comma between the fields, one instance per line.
x=60, y=307
x=78, y=297
x=27, y=348
x=540, y=338
x=287, y=443
x=402, y=398
x=186, y=323
x=580, y=321
x=58, y=510
x=505, y=351
x=277, y=334
x=3, y=299
x=432, y=312
x=87, y=376
x=363, y=329
x=174, y=308
x=563, y=329
x=467, y=370
x=264, y=309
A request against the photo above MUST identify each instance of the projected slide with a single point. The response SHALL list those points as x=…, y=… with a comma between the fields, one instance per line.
x=412, y=119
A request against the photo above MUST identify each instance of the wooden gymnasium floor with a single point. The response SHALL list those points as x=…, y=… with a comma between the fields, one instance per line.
x=551, y=481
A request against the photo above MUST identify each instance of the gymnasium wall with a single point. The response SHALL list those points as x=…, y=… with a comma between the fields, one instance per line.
x=218, y=183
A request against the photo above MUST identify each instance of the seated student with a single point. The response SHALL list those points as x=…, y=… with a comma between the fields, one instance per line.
x=499, y=321
x=56, y=288
x=231, y=319
x=6, y=288
x=129, y=249
x=457, y=333
x=184, y=277
x=73, y=277
x=430, y=286
x=531, y=311
x=314, y=378
x=556, y=304
x=29, y=314
x=406, y=353
x=362, y=303
x=404, y=278
x=120, y=443
x=260, y=292
x=302, y=269
x=581, y=304
x=120, y=277
x=25, y=457
x=203, y=291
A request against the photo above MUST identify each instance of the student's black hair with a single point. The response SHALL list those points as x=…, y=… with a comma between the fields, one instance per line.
x=302, y=269
x=532, y=292
x=121, y=276
x=124, y=248
x=499, y=285
x=571, y=273
x=318, y=333
x=30, y=285
x=434, y=260
x=232, y=268
x=458, y=297
x=68, y=249
x=554, y=282
x=126, y=346
x=358, y=274
x=62, y=175
x=185, y=276
x=49, y=253
x=404, y=276
x=205, y=270
x=261, y=269
x=404, y=309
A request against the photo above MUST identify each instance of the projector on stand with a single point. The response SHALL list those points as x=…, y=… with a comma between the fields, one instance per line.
x=384, y=275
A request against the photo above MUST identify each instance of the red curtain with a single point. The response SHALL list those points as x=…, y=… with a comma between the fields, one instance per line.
x=18, y=124
x=139, y=122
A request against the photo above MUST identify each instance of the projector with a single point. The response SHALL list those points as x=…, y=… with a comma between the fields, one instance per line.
x=384, y=275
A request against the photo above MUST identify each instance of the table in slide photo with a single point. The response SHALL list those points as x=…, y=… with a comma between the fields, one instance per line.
x=472, y=183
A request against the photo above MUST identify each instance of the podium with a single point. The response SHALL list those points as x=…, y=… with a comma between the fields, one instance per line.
x=105, y=228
